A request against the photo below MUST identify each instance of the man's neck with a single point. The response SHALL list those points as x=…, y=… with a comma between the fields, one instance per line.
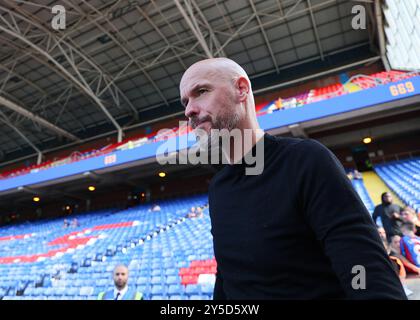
x=121, y=289
x=247, y=141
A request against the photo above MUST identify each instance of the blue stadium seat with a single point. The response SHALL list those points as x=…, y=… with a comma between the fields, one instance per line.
x=156, y=272
x=156, y=280
x=173, y=280
x=403, y=177
x=175, y=289
x=171, y=272
x=192, y=289
x=29, y=291
x=157, y=290
x=207, y=289
x=72, y=291
x=363, y=194
x=142, y=280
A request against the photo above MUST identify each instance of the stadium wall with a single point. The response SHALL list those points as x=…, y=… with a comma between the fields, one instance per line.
x=154, y=127
x=384, y=149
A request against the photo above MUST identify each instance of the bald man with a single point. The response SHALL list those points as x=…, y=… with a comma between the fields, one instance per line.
x=296, y=230
x=211, y=105
x=121, y=290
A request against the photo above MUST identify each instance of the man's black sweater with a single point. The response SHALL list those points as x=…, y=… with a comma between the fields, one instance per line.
x=296, y=231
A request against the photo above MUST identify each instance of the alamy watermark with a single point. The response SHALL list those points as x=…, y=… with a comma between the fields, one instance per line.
x=358, y=22
x=358, y=282
x=58, y=21
x=216, y=147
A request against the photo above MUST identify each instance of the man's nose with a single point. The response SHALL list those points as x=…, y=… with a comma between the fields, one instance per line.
x=191, y=110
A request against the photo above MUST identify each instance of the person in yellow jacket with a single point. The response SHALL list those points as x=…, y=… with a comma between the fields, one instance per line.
x=121, y=290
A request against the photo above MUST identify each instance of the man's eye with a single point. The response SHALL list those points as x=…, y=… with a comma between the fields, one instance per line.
x=202, y=90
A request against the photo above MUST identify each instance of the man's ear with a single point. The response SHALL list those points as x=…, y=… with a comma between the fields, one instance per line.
x=242, y=85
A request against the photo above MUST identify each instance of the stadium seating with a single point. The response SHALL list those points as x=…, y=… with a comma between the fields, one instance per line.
x=403, y=177
x=363, y=194
x=355, y=83
x=169, y=256
x=35, y=258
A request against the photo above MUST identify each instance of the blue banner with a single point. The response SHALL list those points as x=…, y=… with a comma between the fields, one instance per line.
x=346, y=103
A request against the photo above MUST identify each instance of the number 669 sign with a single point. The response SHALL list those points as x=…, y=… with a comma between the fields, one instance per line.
x=402, y=88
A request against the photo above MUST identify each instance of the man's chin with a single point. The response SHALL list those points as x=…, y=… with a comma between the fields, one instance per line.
x=206, y=126
x=202, y=130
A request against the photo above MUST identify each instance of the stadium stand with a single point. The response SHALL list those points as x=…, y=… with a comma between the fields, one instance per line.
x=167, y=254
x=403, y=177
x=354, y=84
x=363, y=194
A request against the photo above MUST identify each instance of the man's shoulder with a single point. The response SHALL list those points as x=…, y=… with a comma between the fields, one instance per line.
x=134, y=294
x=414, y=239
x=307, y=152
x=406, y=239
x=106, y=294
x=282, y=142
x=395, y=206
x=298, y=144
x=107, y=291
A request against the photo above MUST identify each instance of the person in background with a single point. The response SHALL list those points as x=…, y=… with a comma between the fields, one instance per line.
x=199, y=212
x=357, y=175
x=192, y=213
x=155, y=208
x=75, y=223
x=65, y=224
x=395, y=251
x=389, y=214
x=409, y=215
x=396, y=262
x=410, y=243
x=382, y=234
x=121, y=290
x=195, y=213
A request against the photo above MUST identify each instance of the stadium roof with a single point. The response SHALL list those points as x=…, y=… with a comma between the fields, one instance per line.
x=119, y=63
